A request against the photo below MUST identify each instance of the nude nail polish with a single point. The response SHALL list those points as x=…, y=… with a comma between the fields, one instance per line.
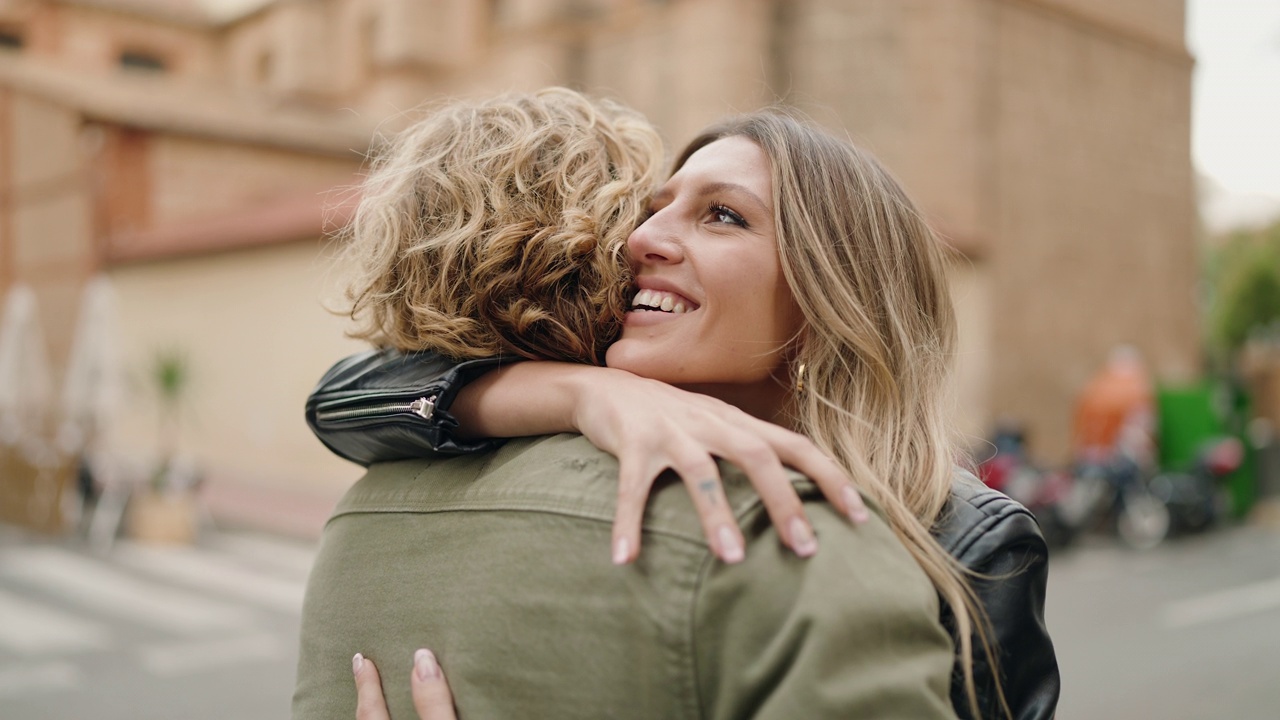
x=730, y=546
x=425, y=665
x=857, y=513
x=357, y=662
x=802, y=540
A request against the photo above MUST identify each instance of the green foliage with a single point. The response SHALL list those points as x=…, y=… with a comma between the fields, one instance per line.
x=171, y=373
x=170, y=376
x=1245, y=276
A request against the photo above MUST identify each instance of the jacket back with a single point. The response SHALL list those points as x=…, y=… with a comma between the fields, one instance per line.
x=499, y=562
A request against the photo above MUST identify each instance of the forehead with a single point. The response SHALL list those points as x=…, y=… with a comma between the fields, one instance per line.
x=732, y=159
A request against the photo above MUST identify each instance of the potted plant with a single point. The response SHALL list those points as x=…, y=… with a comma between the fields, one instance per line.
x=165, y=509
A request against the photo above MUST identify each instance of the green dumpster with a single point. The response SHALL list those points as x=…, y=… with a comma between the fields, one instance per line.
x=1191, y=415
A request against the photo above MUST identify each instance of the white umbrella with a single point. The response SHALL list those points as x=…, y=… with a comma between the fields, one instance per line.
x=26, y=388
x=94, y=385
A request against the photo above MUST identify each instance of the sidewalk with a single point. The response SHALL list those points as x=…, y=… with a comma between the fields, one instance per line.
x=291, y=513
x=1266, y=514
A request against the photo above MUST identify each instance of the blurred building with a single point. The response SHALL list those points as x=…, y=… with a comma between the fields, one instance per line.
x=188, y=148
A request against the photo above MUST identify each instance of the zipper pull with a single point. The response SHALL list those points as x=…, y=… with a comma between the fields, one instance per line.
x=424, y=407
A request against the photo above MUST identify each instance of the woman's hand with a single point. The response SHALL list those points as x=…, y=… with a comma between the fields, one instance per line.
x=431, y=696
x=651, y=426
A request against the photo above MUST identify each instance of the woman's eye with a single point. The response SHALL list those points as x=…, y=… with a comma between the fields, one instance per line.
x=723, y=214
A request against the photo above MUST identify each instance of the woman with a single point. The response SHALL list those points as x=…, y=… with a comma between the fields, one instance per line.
x=844, y=333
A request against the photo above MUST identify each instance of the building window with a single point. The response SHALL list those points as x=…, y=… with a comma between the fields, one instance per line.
x=142, y=61
x=11, y=39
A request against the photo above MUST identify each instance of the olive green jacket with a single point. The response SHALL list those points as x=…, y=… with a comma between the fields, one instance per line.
x=500, y=563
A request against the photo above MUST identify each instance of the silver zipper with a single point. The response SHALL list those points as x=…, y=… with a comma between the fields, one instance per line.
x=423, y=407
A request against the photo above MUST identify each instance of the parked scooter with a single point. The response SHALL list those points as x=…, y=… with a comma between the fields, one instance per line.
x=1194, y=497
x=1043, y=493
x=1109, y=494
x=1114, y=496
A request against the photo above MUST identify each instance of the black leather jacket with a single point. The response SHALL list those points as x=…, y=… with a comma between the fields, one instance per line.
x=385, y=405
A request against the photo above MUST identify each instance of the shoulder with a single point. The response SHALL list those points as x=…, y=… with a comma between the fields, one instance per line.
x=979, y=522
x=853, y=631
x=866, y=566
x=560, y=473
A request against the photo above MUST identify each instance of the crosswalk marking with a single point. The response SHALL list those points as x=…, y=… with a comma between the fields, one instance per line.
x=209, y=571
x=103, y=589
x=28, y=678
x=186, y=658
x=1223, y=604
x=27, y=627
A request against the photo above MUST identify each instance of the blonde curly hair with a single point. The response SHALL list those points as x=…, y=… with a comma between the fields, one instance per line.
x=497, y=228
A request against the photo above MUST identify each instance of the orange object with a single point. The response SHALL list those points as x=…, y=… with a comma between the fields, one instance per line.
x=1117, y=399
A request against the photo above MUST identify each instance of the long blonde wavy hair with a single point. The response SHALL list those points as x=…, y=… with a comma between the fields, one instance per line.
x=869, y=276
x=497, y=228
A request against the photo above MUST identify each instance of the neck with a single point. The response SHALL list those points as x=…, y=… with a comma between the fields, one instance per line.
x=769, y=400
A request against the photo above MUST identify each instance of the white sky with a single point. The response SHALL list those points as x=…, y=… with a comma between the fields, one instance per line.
x=1236, y=106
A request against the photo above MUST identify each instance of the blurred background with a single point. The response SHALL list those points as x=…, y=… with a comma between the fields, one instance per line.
x=1107, y=171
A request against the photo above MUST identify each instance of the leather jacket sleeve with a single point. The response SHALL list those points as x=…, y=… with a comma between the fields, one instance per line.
x=384, y=405
x=999, y=540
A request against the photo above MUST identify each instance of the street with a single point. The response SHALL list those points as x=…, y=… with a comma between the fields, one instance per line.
x=149, y=633
x=1190, y=630
x=1187, y=631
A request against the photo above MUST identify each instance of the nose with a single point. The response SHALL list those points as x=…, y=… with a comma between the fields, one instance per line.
x=655, y=242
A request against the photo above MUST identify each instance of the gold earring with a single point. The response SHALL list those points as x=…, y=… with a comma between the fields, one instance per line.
x=800, y=379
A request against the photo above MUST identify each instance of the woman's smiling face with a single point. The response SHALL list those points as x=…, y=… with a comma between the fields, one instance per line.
x=713, y=311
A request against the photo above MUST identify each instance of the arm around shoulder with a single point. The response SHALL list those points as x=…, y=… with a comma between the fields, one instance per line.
x=384, y=405
x=850, y=632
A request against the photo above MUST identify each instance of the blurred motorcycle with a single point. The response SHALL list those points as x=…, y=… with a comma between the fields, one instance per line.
x=1115, y=496
x=1043, y=493
x=1111, y=495
x=1194, y=497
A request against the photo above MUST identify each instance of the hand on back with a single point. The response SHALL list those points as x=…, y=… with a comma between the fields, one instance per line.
x=431, y=696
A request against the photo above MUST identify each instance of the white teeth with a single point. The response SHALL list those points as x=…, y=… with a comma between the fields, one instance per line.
x=660, y=300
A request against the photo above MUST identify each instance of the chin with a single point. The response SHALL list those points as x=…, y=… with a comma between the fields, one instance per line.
x=642, y=361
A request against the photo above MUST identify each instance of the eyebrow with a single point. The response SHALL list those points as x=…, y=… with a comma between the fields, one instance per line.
x=721, y=187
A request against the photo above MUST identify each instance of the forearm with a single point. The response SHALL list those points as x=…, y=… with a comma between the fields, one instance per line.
x=386, y=405
x=530, y=398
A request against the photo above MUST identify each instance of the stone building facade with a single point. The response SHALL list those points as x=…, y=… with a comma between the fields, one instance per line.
x=185, y=148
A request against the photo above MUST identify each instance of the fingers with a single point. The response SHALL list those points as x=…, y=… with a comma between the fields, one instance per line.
x=634, y=481
x=781, y=501
x=800, y=453
x=718, y=522
x=370, y=705
x=431, y=695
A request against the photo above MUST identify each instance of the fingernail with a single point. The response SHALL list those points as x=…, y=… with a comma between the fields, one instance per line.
x=424, y=663
x=857, y=512
x=802, y=541
x=730, y=546
x=357, y=662
x=621, y=551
